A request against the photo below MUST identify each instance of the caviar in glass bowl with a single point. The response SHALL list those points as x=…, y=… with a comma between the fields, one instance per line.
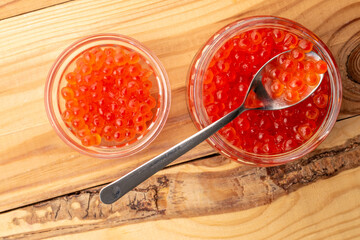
x=107, y=96
x=220, y=76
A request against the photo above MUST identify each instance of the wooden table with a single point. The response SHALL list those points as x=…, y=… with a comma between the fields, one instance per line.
x=50, y=191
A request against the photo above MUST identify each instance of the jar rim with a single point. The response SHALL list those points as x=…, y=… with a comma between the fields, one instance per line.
x=161, y=79
x=204, y=56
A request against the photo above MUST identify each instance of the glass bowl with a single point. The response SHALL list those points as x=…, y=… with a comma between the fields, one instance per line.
x=201, y=62
x=55, y=105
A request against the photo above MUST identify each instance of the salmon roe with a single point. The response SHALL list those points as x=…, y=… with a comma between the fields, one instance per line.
x=288, y=79
x=108, y=96
x=228, y=76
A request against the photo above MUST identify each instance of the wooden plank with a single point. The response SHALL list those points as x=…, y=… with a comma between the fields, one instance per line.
x=35, y=164
x=10, y=8
x=325, y=210
x=206, y=187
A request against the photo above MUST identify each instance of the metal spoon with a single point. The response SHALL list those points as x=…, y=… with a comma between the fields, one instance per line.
x=118, y=188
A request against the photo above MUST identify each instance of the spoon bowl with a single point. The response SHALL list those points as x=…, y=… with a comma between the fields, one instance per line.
x=262, y=90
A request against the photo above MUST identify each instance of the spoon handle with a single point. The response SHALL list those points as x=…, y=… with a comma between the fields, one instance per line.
x=120, y=187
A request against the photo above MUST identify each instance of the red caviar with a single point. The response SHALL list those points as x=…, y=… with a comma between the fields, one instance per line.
x=299, y=82
x=107, y=96
x=228, y=76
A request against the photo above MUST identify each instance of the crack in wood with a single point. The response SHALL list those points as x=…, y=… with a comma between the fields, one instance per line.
x=149, y=202
x=57, y=212
x=319, y=163
x=87, y=207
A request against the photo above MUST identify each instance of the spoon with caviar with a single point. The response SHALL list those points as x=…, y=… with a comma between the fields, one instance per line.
x=264, y=93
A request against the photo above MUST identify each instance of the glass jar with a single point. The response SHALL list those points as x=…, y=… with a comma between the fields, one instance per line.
x=202, y=60
x=54, y=104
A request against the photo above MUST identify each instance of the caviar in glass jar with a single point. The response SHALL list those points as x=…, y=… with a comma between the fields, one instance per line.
x=228, y=77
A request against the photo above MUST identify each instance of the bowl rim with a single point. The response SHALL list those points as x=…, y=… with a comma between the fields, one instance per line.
x=163, y=85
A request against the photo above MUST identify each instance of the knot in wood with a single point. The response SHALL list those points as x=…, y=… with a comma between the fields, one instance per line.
x=353, y=65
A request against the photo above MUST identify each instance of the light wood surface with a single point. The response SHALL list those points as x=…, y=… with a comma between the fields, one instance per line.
x=36, y=165
x=11, y=8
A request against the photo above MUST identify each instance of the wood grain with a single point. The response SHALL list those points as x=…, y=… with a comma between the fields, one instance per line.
x=294, y=217
x=315, y=212
x=33, y=158
x=209, y=186
x=10, y=8
x=345, y=41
